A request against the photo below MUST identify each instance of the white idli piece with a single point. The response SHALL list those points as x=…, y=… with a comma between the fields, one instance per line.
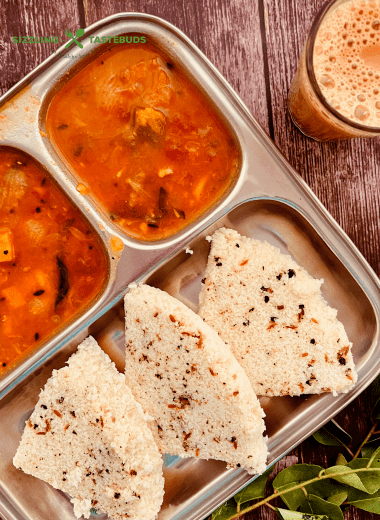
x=89, y=438
x=188, y=381
x=272, y=315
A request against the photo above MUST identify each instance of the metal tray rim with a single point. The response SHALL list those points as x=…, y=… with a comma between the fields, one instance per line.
x=314, y=202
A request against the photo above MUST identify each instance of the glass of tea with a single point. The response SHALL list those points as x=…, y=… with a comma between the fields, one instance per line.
x=336, y=91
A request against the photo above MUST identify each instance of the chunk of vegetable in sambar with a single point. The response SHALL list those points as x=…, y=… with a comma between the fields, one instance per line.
x=7, y=251
x=13, y=296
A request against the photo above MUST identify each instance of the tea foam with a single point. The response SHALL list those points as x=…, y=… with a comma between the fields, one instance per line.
x=346, y=60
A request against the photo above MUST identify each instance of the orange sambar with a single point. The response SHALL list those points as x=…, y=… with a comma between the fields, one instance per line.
x=144, y=140
x=51, y=264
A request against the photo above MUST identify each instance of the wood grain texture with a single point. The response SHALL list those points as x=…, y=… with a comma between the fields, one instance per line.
x=31, y=18
x=229, y=33
x=256, y=45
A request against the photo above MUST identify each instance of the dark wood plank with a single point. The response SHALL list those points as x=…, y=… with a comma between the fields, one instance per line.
x=345, y=175
x=31, y=18
x=227, y=32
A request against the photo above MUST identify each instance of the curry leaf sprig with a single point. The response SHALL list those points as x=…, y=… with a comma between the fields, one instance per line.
x=311, y=492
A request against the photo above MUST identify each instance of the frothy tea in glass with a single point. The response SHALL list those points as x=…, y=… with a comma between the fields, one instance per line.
x=336, y=92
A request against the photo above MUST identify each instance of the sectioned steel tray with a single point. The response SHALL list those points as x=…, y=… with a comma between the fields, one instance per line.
x=269, y=201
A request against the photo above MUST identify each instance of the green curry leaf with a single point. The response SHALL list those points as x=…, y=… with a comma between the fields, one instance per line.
x=296, y=473
x=331, y=434
x=338, y=494
x=367, y=480
x=365, y=501
x=370, y=447
x=295, y=515
x=225, y=511
x=255, y=489
x=341, y=460
x=319, y=506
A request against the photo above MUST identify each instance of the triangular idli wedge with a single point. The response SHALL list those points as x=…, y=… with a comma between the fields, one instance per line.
x=188, y=381
x=89, y=438
x=272, y=315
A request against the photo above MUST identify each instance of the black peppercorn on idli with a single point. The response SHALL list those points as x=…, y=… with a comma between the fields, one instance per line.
x=88, y=437
x=199, y=397
x=271, y=313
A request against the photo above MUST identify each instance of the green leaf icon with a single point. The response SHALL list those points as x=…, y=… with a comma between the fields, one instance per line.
x=79, y=33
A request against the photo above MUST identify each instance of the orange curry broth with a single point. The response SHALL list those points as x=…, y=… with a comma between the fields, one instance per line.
x=51, y=264
x=144, y=140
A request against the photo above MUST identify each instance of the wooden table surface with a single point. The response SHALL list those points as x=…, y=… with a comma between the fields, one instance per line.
x=256, y=45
